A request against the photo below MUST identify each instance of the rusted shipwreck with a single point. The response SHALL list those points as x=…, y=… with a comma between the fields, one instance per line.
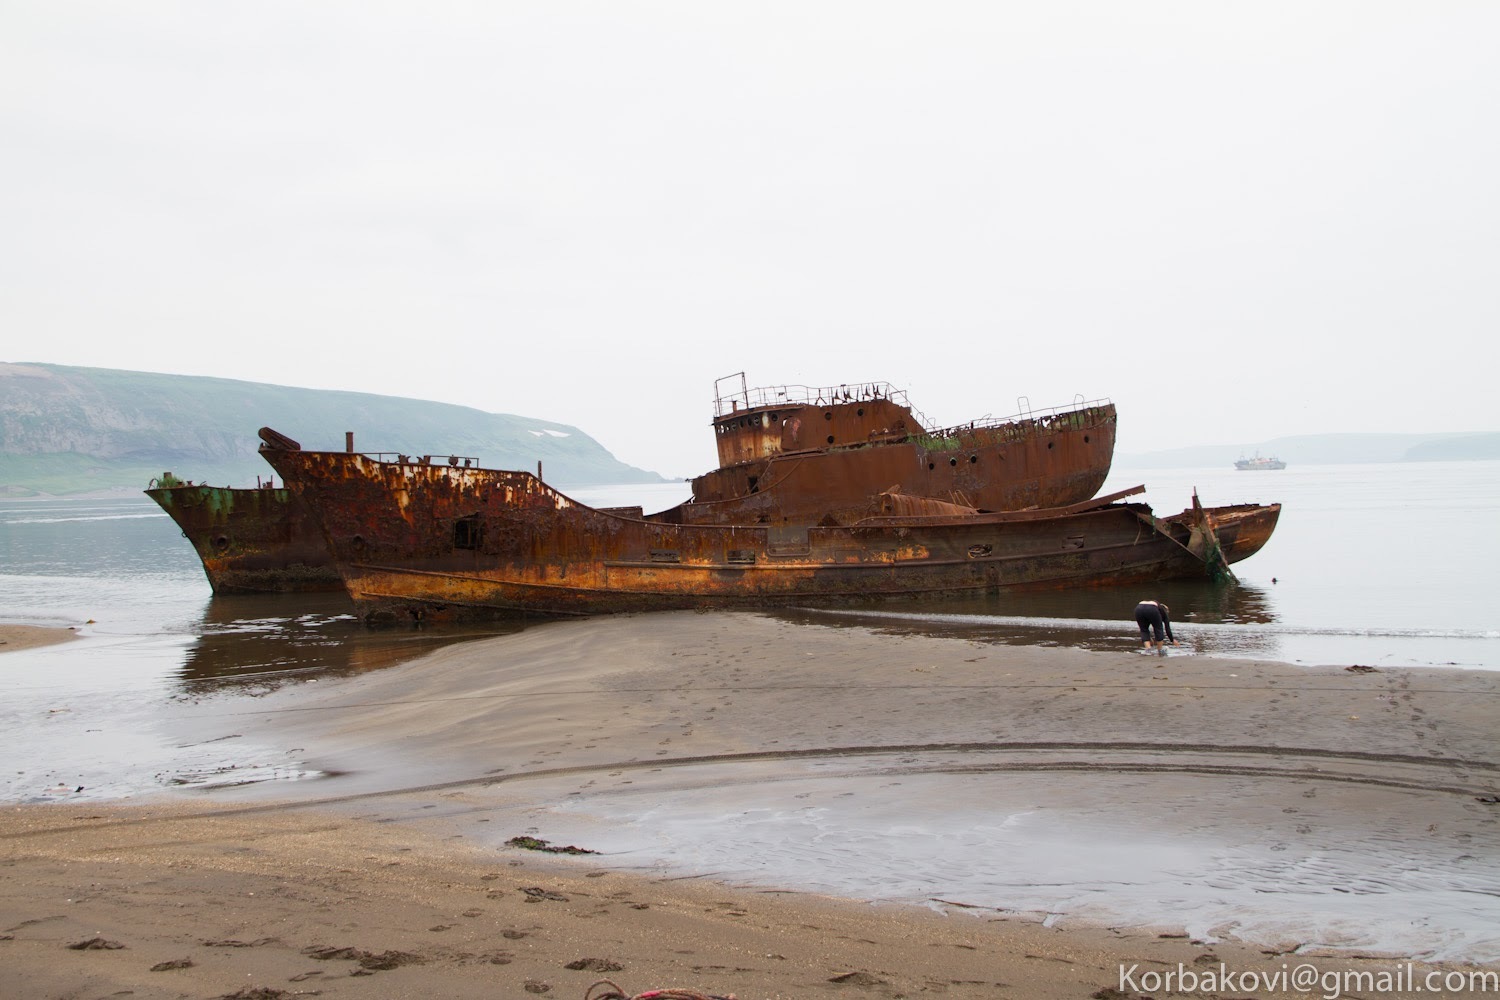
x=249, y=540
x=789, y=456
x=429, y=540
x=801, y=454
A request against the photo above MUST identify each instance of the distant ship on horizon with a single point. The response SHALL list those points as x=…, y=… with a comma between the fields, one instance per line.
x=1258, y=463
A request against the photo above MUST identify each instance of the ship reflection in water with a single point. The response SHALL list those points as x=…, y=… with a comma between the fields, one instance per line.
x=251, y=643
x=1233, y=621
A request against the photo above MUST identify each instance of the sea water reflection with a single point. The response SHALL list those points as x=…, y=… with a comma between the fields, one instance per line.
x=263, y=640
x=1232, y=621
x=84, y=719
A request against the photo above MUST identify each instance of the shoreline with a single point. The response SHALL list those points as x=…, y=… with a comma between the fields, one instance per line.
x=593, y=732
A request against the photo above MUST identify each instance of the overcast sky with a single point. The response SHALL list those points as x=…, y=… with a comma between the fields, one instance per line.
x=1237, y=221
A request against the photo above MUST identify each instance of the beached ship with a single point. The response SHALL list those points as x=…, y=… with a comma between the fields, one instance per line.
x=1258, y=464
x=417, y=540
x=801, y=454
x=249, y=540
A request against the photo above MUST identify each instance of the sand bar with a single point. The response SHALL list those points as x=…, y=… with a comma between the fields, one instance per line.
x=17, y=637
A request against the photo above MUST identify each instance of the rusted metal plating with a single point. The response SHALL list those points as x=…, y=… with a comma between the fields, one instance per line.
x=796, y=454
x=434, y=540
x=258, y=539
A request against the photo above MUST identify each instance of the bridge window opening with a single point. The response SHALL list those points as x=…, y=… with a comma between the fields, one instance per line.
x=468, y=532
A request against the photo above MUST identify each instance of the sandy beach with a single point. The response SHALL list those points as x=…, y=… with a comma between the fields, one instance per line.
x=390, y=874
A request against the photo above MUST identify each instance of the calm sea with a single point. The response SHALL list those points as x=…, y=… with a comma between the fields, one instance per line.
x=1375, y=564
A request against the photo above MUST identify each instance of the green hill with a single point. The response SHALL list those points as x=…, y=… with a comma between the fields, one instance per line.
x=81, y=430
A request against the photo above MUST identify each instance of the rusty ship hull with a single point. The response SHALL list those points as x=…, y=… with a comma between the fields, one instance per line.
x=250, y=540
x=423, y=541
x=798, y=455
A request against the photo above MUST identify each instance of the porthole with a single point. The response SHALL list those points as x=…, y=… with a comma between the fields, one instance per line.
x=860, y=412
x=221, y=543
x=930, y=466
x=953, y=461
x=973, y=459
x=830, y=439
x=1049, y=445
x=1085, y=439
x=828, y=415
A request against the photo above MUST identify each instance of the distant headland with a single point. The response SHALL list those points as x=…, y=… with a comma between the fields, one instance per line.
x=70, y=430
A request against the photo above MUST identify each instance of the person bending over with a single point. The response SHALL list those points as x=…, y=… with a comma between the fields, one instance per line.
x=1156, y=626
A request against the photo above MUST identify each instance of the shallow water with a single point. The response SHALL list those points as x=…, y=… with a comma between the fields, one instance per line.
x=1040, y=847
x=79, y=719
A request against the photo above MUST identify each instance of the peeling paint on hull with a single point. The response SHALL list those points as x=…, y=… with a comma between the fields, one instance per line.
x=418, y=540
x=792, y=454
x=251, y=540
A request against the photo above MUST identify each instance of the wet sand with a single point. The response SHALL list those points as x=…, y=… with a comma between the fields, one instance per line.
x=17, y=637
x=433, y=765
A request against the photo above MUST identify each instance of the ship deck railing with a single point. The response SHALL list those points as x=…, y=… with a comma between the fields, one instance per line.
x=805, y=395
x=455, y=461
x=746, y=399
x=1026, y=417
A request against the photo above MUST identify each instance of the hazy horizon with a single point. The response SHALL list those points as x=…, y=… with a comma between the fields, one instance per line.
x=1233, y=222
